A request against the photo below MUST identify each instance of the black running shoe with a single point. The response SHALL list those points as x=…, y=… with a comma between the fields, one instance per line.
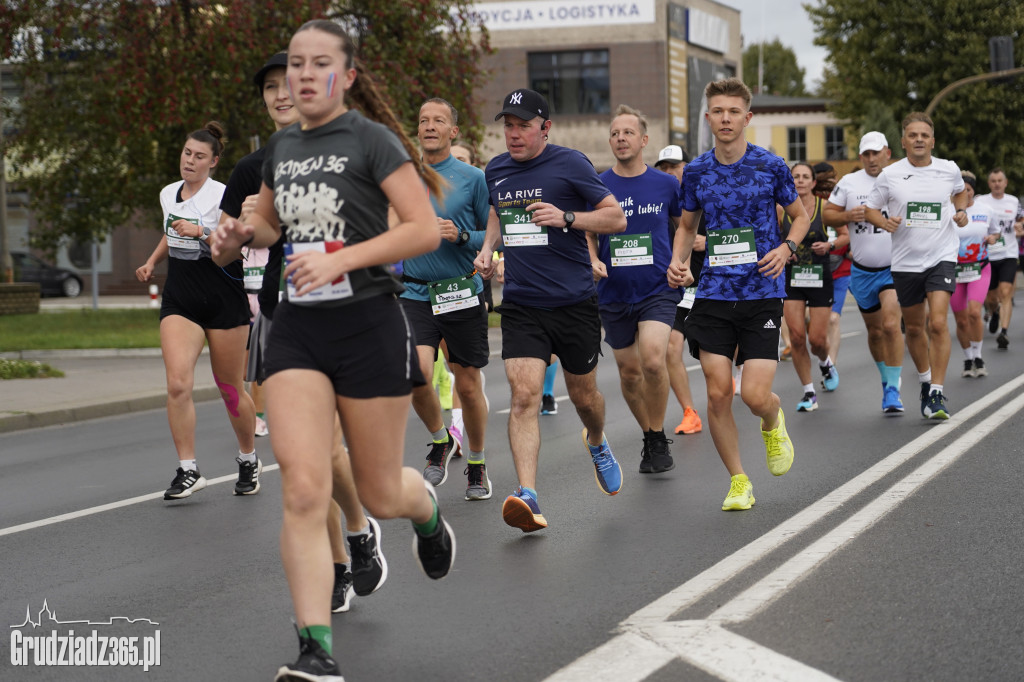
x=661, y=459
x=968, y=370
x=645, y=458
x=341, y=596
x=436, y=471
x=993, y=322
x=369, y=567
x=313, y=665
x=248, y=477
x=435, y=553
x=548, y=404
x=1002, y=341
x=184, y=484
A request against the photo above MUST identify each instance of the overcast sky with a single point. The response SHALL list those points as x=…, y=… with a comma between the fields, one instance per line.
x=788, y=21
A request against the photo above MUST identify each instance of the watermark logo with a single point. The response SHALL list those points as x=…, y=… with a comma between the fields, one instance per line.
x=32, y=645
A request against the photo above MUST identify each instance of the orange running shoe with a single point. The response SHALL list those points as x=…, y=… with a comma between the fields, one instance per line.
x=691, y=422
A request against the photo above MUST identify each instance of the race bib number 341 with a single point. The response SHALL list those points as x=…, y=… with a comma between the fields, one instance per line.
x=517, y=230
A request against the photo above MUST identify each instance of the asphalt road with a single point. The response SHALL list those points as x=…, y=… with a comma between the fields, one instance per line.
x=890, y=551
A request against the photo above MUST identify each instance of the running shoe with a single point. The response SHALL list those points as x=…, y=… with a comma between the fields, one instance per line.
x=457, y=435
x=444, y=389
x=645, y=458
x=261, y=427
x=936, y=407
x=436, y=471
x=478, y=485
x=979, y=368
x=741, y=494
x=341, y=596
x=184, y=484
x=661, y=457
x=548, y=404
x=891, y=403
x=691, y=422
x=786, y=354
x=1002, y=341
x=993, y=322
x=606, y=469
x=369, y=566
x=435, y=553
x=521, y=511
x=778, y=447
x=926, y=389
x=829, y=378
x=313, y=665
x=248, y=482
x=968, y=370
x=809, y=403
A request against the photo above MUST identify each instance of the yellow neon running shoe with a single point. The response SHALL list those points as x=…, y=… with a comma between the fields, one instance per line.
x=778, y=447
x=741, y=494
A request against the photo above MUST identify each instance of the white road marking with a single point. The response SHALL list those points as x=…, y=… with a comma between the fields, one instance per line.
x=71, y=516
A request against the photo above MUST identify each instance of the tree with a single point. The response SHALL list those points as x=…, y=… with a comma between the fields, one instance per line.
x=782, y=74
x=111, y=89
x=899, y=55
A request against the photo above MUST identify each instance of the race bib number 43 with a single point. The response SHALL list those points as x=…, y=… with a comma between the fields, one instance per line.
x=517, y=230
x=452, y=294
x=731, y=247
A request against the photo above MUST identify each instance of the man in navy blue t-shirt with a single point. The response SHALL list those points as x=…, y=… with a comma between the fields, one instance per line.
x=637, y=305
x=544, y=199
x=738, y=309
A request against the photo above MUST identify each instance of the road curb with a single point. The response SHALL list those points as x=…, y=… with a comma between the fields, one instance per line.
x=32, y=420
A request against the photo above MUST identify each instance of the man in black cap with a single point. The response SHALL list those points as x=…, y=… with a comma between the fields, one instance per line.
x=544, y=198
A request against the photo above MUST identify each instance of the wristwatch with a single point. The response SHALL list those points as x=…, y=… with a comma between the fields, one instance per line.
x=463, y=237
x=569, y=217
x=791, y=244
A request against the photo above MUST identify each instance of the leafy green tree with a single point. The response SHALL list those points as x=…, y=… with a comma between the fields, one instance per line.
x=782, y=73
x=900, y=55
x=111, y=89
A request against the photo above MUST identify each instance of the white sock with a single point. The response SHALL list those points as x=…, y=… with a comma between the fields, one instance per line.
x=925, y=377
x=968, y=352
x=362, y=531
x=248, y=457
x=976, y=347
x=809, y=388
x=936, y=388
x=827, y=362
x=188, y=464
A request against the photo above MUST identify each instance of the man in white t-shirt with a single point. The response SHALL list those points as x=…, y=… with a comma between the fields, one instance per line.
x=915, y=194
x=1002, y=255
x=870, y=275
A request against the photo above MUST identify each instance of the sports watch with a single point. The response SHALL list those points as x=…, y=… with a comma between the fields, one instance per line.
x=463, y=237
x=791, y=244
x=569, y=217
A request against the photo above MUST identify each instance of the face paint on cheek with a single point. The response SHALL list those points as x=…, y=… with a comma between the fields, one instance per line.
x=288, y=84
x=330, y=84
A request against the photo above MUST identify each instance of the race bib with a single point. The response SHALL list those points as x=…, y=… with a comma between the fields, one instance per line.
x=175, y=240
x=632, y=249
x=452, y=294
x=731, y=247
x=924, y=214
x=332, y=291
x=689, y=295
x=968, y=272
x=252, y=278
x=517, y=230
x=807, y=276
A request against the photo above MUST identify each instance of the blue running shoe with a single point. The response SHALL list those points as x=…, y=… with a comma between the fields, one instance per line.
x=936, y=407
x=891, y=403
x=926, y=389
x=606, y=469
x=829, y=378
x=809, y=403
x=521, y=511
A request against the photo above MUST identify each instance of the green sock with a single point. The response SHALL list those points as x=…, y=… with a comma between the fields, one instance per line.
x=321, y=634
x=430, y=526
x=261, y=415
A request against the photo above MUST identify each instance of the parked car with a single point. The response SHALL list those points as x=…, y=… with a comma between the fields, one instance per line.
x=51, y=279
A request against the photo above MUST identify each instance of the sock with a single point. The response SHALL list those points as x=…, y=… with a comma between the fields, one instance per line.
x=532, y=493
x=261, y=415
x=809, y=388
x=188, y=464
x=1003, y=330
x=936, y=388
x=892, y=375
x=440, y=436
x=321, y=634
x=968, y=352
x=925, y=377
x=475, y=457
x=881, y=370
x=353, y=533
x=457, y=419
x=976, y=346
x=428, y=527
x=594, y=449
x=827, y=362
x=549, y=378
x=248, y=457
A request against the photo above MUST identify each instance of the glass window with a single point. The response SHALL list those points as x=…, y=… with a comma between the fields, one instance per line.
x=835, y=144
x=572, y=82
x=797, y=147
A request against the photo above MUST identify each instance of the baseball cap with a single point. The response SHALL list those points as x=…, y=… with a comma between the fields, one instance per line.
x=277, y=61
x=672, y=153
x=970, y=179
x=873, y=141
x=526, y=104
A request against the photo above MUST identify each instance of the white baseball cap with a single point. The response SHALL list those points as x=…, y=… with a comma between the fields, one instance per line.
x=672, y=153
x=873, y=141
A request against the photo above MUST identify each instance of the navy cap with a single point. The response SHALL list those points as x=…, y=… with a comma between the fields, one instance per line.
x=278, y=61
x=526, y=104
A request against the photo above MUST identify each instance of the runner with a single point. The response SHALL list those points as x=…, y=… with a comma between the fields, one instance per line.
x=839, y=258
x=637, y=305
x=973, y=272
x=870, y=276
x=443, y=300
x=202, y=304
x=1003, y=255
x=738, y=308
x=809, y=292
x=915, y=193
x=328, y=182
x=540, y=195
